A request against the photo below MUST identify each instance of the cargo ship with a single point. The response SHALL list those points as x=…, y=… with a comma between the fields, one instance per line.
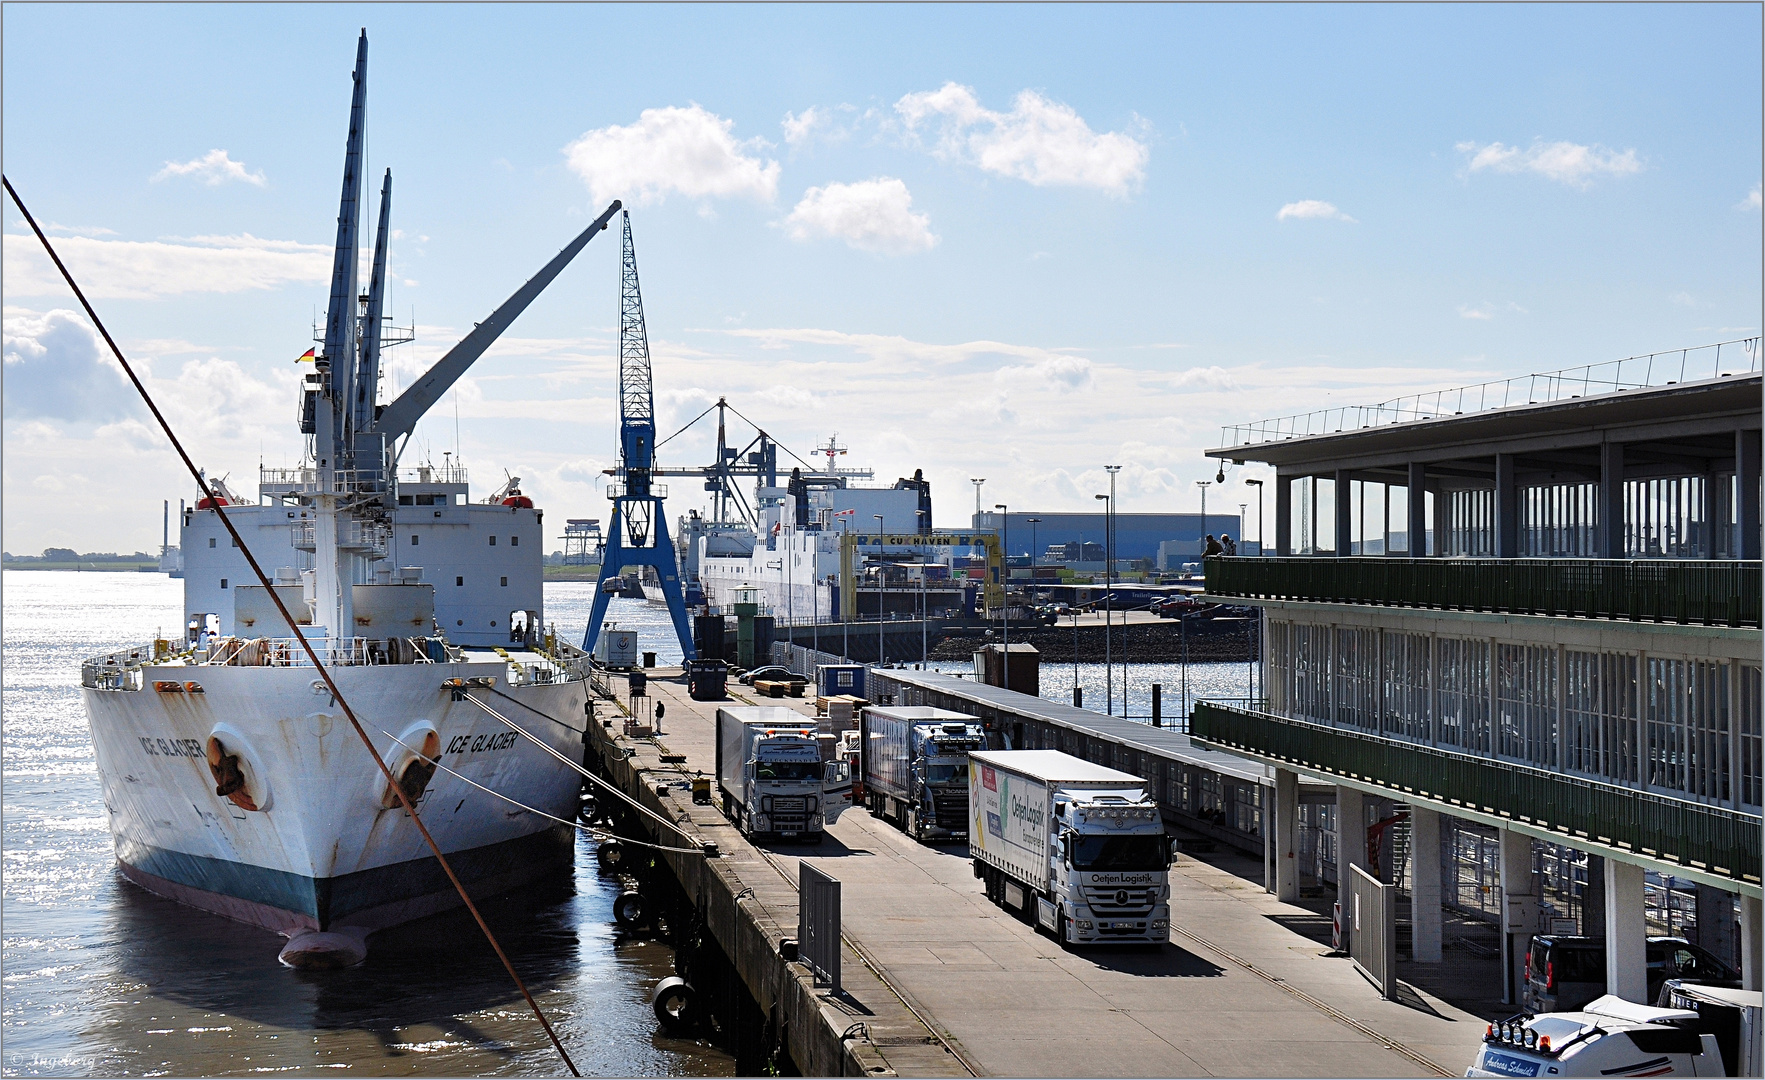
x=232, y=779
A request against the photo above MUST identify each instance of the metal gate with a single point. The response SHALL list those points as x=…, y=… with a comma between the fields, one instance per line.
x=1372, y=929
x=818, y=923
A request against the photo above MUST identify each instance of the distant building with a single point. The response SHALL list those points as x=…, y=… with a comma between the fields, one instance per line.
x=1137, y=536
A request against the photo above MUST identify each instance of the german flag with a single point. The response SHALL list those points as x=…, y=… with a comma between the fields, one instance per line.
x=310, y=354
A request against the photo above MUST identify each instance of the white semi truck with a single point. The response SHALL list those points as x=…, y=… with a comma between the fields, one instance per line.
x=915, y=767
x=1076, y=848
x=775, y=777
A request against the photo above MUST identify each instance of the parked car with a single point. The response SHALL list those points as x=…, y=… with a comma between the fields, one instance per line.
x=1565, y=973
x=773, y=673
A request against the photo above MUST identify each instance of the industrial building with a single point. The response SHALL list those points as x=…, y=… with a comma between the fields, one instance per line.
x=1137, y=536
x=1568, y=665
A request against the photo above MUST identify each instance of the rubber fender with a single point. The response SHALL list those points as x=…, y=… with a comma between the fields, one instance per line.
x=676, y=1004
x=630, y=908
x=611, y=854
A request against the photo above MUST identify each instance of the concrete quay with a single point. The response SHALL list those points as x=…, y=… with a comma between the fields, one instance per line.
x=949, y=984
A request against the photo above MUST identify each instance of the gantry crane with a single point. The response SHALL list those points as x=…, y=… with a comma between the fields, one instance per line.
x=637, y=535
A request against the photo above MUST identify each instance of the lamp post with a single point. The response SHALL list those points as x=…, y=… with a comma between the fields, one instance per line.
x=879, y=591
x=924, y=652
x=1262, y=544
x=1033, y=549
x=845, y=623
x=1005, y=590
x=1203, y=485
x=1108, y=607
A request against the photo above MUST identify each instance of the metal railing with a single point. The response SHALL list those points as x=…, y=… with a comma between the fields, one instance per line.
x=1710, y=838
x=1630, y=373
x=352, y=533
x=120, y=670
x=1702, y=592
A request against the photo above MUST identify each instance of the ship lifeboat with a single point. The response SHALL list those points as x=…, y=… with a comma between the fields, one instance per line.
x=519, y=500
x=209, y=503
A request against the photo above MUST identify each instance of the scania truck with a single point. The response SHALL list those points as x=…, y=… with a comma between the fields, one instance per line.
x=1078, y=849
x=773, y=775
x=915, y=767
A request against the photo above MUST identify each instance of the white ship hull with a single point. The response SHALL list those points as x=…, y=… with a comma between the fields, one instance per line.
x=322, y=851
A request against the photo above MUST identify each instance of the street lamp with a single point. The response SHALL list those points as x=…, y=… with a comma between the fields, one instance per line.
x=1262, y=544
x=1005, y=591
x=1203, y=485
x=879, y=590
x=1033, y=549
x=924, y=652
x=1108, y=607
x=1110, y=522
x=845, y=623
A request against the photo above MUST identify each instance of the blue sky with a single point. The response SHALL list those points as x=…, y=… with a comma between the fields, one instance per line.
x=1011, y=242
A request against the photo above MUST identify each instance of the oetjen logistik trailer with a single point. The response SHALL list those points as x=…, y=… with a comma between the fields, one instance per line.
x=1078, y=849
x=915, y=764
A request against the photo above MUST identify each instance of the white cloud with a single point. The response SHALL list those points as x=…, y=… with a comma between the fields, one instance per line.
x=689, y=150
x=1565, y=162
x=1212, y=377
x=1482, y=311
x=149, y=269
x=213, y=168
x=58, y=368
x=1751, y=202
x=1058, y=372
x=799, y=129
x=1039, y=141
x=1311, y=208
x=872, y=215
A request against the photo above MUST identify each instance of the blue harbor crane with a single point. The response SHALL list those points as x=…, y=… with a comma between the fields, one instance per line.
x=638, y=532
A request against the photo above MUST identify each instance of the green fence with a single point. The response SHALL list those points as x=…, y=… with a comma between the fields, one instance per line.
x=1708, y=838
x=1710, y=593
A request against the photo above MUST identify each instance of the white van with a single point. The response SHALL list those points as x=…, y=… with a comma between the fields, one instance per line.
x=1610, y=1037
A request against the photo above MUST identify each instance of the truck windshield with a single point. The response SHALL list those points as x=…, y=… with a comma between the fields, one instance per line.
x=1149, y=852
x=945, y=774
x=787, y=770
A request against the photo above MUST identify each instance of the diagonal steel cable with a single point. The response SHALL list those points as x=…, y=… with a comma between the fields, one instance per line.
x=324, y=672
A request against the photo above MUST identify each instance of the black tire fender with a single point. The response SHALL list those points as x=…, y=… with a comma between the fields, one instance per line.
x=630, y=908
x=676, y=1004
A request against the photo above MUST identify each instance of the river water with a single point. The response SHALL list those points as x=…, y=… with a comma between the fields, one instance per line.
x=102, y=978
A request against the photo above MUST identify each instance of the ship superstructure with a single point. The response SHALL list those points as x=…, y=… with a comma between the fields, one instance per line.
x=232, y=779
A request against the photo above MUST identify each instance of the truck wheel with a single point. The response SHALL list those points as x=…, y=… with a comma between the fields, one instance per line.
x=630, y=908
x=675, y=1004
x=910, y=823
x=1060, y=929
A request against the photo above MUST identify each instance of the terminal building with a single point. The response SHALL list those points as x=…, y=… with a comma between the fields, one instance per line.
x=1538, y=621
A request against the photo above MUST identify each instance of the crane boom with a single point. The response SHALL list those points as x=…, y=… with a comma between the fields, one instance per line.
x=400, y=417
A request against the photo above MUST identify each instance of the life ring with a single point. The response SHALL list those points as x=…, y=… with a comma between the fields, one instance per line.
x=238, y=773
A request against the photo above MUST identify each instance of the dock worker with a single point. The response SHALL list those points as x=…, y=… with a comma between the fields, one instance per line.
x=1228, y=545
x=1213, y=547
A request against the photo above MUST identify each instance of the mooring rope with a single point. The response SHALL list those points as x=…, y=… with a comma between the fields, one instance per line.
x=269, y=589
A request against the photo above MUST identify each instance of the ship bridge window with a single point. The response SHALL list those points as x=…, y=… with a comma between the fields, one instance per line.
x=514, y=541
x=415, y=539
x=211, y=541
x=223, y=583
x=493, y=541
x=406, y=500
x=505, y=583
x=459, y=581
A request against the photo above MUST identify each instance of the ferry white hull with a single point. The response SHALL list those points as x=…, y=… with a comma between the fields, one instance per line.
x=323, y=852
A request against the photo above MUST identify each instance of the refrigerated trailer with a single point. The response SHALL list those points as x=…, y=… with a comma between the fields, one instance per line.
x=1076, y=848
x=773, y=775
x=915, y=767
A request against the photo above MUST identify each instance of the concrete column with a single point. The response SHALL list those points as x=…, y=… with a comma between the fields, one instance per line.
x=1749, y=942
x=1611, y=502
x=1284, y=514
x=1627, y=972
x=1425, y=916
x=1519, y=896
x=1268, y=840
x=1344, y=513
x=1351, y=834
x=1507, y=509
x=1286, y=833
x=1593, y=900
x=1417, y=525
x=1442, y=519
x=1715, y=927
x=1746, y=509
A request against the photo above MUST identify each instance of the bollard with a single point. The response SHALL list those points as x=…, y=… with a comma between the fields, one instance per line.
x=1078, y=697
x=1157, y=705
